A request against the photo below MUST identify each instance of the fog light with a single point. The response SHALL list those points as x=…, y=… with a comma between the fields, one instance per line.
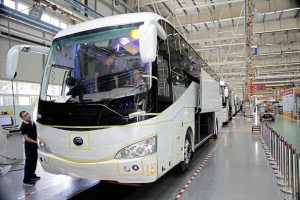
x=135, y=167
x=127, y=169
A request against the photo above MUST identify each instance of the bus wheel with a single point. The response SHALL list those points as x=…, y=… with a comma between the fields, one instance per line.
x=184, y=165
x=216, y=133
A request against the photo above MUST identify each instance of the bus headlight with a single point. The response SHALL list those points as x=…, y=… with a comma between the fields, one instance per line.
x=139, y=149
x=43, y=146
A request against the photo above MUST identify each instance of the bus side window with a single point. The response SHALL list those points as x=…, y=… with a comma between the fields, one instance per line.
x=163, y=76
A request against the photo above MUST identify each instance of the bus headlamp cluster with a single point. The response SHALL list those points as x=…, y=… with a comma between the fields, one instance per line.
x=142, y=148
x=43, y=146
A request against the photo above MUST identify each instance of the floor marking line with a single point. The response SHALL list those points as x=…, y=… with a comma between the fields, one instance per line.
x=196, y=173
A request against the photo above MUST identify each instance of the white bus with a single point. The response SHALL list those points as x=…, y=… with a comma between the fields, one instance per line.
x=124, y=98
x=227, y=102
x=237, y=104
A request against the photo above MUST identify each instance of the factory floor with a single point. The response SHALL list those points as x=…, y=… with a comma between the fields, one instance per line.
x=232, y=167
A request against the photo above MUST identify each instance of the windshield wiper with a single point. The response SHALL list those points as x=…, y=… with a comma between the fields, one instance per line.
x=108, y=108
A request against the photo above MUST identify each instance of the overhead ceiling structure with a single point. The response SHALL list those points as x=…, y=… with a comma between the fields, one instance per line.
x=216, y=29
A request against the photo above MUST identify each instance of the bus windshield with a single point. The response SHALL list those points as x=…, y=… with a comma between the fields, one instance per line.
x=95, y=65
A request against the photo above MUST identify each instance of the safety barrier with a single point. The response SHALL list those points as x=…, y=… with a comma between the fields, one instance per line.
x=284, y=159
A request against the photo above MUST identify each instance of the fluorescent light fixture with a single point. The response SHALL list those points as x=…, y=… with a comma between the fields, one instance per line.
x=278, y=53
x=208, y=4
x=222, y=45
x=279, y=64
x=290, y=52
x=278, y=30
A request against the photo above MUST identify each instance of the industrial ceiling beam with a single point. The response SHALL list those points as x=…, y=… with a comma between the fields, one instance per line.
x=204, y=6
x=68, y=9
x=278, y=81
x=258, y=29
x=150, y=2
x=235, y=62
x=233, y=37
x=285, y=76
x=219, y=45
x=198, y=19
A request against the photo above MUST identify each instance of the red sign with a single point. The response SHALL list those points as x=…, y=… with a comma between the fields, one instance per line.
x=287, y=92
x=260, y=87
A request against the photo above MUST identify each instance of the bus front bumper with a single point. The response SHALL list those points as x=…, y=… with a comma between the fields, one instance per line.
x=138, y=170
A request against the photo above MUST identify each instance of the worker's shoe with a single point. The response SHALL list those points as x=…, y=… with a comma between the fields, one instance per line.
x=29, y=183
x=36, y=178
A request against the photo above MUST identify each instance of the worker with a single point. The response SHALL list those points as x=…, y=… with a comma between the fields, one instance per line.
x=102, y=77
x=138, y=77
x=29, y=132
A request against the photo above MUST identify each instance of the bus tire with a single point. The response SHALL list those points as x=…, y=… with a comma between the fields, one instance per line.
x=216, y=133
x=184, y=165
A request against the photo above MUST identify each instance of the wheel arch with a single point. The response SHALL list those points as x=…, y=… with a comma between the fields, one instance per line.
x=189, y=132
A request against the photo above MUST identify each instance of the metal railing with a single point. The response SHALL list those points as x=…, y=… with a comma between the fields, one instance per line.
x=284, y=159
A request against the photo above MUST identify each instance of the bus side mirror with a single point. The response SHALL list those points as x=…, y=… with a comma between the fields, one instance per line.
x=13, y=57
x=148, y=42
x=12, y=63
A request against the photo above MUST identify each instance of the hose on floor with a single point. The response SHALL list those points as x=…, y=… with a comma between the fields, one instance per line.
x=16, y=170
x=16, y=161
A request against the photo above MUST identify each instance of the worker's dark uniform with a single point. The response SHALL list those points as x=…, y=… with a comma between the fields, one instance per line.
x=30, y=151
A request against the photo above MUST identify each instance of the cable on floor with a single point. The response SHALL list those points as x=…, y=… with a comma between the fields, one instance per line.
x=12, y=163
x=10, y=158
x=16, y=170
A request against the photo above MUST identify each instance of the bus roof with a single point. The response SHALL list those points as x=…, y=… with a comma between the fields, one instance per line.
x=109, y=21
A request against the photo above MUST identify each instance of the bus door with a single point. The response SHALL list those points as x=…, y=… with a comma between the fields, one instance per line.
x=164, y=100
x=164, y=96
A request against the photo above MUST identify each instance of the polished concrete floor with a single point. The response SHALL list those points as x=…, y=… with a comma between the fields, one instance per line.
x=289, y=129
x=237, y=169
x=50, y=187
